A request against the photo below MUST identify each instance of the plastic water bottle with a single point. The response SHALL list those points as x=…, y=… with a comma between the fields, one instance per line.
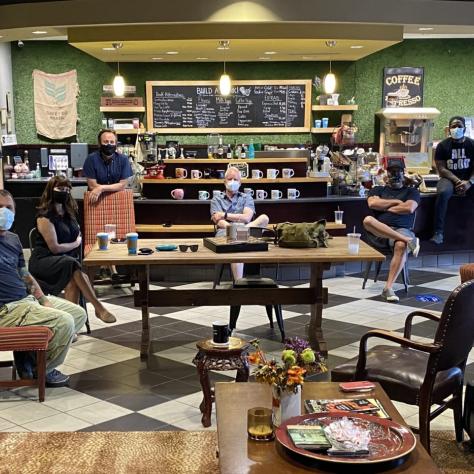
x=251, y=150
x=38, y=171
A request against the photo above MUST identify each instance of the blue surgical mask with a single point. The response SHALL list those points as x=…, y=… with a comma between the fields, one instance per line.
x=456, y=133
x=232, y=186
x=6, y=218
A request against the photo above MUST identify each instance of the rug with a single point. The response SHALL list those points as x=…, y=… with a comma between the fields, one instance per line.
x=450, y=457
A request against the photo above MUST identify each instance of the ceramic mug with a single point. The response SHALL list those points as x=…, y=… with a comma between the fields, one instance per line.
x=272, y=173
x=196, y=174
x=261, y=194
x=293, y=193
x=203, y=195
x=276, y=194
x=220, y=174
x=181, y=172
x=207, y=173
x=257, y=174
x=249, y=191
x=217, y=193
x=288, y=172
x=177, y=193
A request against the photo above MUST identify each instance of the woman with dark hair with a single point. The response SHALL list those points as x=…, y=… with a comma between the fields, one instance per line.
x=54, y=261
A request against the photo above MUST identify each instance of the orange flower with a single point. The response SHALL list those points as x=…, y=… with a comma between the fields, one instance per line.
x=254, y=358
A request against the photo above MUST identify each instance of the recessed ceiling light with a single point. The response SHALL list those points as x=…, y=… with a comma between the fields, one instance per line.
x=356, y=46
x=263, y=58
x=172, y=52
x=108, y=48
x=1, y=36
x=39, y=32
x=425, y=28
x=270, y=52
x=201, y=59
x=156, y=59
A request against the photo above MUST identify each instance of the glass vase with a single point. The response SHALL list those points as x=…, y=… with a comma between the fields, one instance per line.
x=285, y=404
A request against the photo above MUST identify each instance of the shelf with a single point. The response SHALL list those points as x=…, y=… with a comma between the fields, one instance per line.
x=335, y=107
x=325, y=130
x=108, y=108
x=130, y=131
x=212, y=161
x=187, y=181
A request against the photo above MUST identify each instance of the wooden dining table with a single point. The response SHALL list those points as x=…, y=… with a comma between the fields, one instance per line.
x=239, y=455
x=318, y=259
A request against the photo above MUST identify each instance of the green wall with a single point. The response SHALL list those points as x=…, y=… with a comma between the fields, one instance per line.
x=449, y=67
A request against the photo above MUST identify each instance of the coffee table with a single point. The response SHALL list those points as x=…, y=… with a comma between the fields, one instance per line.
x=239, y=455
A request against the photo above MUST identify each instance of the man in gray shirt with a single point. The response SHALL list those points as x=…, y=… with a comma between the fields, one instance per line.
x=234, y=206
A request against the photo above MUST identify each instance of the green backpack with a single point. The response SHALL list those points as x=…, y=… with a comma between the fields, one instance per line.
x=302, y=234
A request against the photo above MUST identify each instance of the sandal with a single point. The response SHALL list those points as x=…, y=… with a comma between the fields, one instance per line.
x=106, y=317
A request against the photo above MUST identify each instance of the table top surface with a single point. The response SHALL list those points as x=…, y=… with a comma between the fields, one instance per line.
x=239, y=455
x=337, y=252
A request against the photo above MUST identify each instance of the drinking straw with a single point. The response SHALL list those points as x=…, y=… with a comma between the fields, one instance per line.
x=338, y=208
x=354, y=229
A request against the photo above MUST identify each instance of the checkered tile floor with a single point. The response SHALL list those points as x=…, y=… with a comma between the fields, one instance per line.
x=111, y=389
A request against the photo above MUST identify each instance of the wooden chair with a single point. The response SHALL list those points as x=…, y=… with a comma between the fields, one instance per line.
x=418, y=373
x=26, y=338
x=33, y=234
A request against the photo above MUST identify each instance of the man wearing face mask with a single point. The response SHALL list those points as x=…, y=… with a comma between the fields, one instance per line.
x=394, y=207
x=105, y=169
x=234, y=206
x=454, y=158
x=23, y=303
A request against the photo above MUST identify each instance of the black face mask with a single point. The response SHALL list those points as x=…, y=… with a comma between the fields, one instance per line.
x=60, y=197
x=395, y=179
x=108, y=149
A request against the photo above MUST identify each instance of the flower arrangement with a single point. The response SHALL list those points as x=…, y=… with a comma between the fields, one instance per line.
x=297, y=358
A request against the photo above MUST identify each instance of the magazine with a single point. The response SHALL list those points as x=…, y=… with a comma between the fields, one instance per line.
x=368, y=406
x=308, y=437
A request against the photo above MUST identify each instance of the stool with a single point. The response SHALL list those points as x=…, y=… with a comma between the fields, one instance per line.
x=467, y=272
x=210, y=357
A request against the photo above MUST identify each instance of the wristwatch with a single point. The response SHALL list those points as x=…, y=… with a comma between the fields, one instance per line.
x=225, y=215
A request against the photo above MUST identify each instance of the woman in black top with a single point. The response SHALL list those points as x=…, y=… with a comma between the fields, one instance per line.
x=54, y=261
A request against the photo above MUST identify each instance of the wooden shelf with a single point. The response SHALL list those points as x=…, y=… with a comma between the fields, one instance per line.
x=131, y=131
x=186, y=181
x=335, y=107
x=324, y=130
x=108, y=108
x=215, y=161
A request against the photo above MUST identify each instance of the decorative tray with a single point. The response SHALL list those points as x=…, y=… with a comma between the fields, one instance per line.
x=221, y=245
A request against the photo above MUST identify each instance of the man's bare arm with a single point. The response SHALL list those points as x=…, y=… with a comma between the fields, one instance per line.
x=245, y=217
x=378, y=204
x=445, y=173
x=33, y=286
x=407, y=207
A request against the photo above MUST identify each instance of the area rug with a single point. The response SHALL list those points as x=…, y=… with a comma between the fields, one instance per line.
x=164, y=452
x=450, y=457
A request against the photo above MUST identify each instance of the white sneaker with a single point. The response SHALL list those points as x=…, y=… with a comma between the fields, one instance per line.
x=390, y=295
x=414, y=246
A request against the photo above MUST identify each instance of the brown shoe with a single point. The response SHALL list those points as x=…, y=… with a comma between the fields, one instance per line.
x=107, y=317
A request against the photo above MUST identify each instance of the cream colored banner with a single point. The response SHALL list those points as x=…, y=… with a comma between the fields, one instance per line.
x=55, y=97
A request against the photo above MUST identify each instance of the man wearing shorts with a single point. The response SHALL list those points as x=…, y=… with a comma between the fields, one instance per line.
x=394, y=207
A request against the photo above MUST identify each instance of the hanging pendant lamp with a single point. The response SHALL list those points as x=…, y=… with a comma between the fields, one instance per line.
x=118, y=85
x=329, y=82
x=225, y=82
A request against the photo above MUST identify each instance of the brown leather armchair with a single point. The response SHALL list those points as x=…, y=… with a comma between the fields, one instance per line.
x=418, y=373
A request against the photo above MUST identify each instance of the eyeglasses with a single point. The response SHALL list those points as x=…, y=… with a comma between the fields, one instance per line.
x=64, y=189
x=185, y=247
x=456, y=125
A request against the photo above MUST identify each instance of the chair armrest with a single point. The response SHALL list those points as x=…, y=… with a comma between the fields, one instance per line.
x=433, y=315
x=390, y=336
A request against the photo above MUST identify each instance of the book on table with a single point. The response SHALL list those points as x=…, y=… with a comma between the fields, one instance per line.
x=367, y=406
x=310, y=437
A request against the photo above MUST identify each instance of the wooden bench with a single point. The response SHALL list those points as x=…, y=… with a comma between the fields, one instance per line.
x=202, y=228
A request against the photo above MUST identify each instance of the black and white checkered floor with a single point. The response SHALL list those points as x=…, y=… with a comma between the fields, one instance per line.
x=111, y=389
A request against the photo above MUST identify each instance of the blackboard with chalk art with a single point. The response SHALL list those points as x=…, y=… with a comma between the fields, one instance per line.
x=402, y=87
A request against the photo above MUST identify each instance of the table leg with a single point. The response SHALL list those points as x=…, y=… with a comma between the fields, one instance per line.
x=314, y=329
x=206, y=405
x=144, y=282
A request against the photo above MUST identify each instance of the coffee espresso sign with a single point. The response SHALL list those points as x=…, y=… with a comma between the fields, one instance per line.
x=402, y=87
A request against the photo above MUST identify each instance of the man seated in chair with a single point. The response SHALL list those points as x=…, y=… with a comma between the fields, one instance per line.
x=394, y=206
x=22, y=303
x=234, y=206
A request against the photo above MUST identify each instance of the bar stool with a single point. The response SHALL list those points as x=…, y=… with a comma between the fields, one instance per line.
x=210, y=357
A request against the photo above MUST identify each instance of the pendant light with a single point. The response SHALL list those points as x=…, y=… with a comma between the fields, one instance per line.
x=329, y=81
x=225, y=82
x=118, y=84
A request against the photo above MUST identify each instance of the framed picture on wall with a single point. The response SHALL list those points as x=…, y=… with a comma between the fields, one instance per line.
x=402, y=87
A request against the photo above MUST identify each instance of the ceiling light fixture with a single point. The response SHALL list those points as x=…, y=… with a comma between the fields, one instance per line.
x=425, y=28
x=270, y=52
x=119, y=82
x=108, y=48
x=263, y=58
x=356, y=46
x=39, y=32
x=329, y=81
x=201, y=59
x=225, y=82
x=172, y=52
x=156, y=59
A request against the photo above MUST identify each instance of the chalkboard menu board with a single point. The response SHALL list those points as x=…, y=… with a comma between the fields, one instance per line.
x=253, y=106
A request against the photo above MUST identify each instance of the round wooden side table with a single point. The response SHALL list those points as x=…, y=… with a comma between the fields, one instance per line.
x=211, y=357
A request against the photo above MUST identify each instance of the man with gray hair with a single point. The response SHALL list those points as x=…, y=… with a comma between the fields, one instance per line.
x=234, y=206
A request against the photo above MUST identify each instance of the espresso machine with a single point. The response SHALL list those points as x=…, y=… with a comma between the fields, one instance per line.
x=147, y=143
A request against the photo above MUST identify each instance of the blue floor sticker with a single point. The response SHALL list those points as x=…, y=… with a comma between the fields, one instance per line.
x=429, y=298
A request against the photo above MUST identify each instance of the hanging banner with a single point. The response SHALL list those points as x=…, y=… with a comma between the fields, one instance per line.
x=55, y=97
x=402, y=87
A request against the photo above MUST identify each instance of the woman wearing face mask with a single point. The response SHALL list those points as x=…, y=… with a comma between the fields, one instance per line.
x=234, y=206
x=454, y=158
x=54, y=261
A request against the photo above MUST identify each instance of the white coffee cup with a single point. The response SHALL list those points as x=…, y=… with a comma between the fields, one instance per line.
x=261, y=194
x=217, y=193
x=257, y=174
x=276, y=194
x=249, y=191
x=272, y=173
x=196, y=174
x=293, y=193
x=353, y=241
x=203, y=195
x=288, y=172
